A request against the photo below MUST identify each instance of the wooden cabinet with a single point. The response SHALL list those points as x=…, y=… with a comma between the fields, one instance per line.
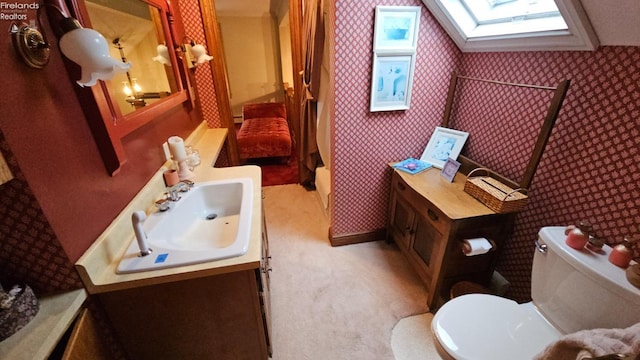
x=264, y=285
x=429, y=218
x=225, y=316
x=86, y=340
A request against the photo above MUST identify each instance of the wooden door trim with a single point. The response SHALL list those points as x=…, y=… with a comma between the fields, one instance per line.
x=297, y=61
x=214, y=41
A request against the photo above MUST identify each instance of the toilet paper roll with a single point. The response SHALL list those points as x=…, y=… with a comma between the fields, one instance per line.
x=477, y=246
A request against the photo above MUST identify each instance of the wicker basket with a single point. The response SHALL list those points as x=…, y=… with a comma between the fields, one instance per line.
x=494, y=194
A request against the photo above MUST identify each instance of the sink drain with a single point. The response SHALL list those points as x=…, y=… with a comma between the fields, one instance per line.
x=212, y=216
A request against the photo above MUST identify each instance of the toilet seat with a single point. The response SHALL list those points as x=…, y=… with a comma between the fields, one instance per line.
x=480, y=326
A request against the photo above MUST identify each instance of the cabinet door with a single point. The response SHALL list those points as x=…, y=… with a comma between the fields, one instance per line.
x=264, y=286
x=216, y=317
x=428, y=248
x=401, y=219
x=86, y=340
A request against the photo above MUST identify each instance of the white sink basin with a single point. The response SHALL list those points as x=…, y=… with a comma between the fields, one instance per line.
x=212, y=221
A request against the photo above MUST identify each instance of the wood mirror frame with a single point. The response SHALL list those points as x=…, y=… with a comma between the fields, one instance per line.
x=99, y=101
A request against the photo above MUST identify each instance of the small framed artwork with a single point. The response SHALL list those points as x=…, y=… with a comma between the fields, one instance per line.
x=444, y=143
x=391, y=82
x=450, y=169
x=396, y=28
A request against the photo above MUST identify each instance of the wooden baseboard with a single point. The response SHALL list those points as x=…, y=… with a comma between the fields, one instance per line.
x=355, y=238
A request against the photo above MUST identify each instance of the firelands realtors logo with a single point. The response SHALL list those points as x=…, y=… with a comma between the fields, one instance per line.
x=16, y=11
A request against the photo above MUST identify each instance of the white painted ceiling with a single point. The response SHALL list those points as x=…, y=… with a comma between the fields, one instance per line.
x=615, y=22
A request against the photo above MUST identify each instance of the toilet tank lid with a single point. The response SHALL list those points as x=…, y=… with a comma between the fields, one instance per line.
x=595, y=266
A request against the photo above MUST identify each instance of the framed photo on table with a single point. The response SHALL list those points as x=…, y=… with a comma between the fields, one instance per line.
x=391, y=82
x=396, y=28
x=450, y=169
x=444, y=143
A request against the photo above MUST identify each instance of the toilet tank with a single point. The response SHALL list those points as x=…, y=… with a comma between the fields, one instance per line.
x=580, y=289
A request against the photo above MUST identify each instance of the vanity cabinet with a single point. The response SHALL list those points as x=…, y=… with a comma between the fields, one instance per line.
x=429, y=218
x=225, y=316
x=264, y=285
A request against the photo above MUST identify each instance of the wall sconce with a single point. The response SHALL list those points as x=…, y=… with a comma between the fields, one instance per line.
x=196, y=53
x=86, y=47
x=89, y=49
x=163, y=55
x=30, y=45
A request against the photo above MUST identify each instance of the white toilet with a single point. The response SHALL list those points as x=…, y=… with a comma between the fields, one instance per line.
x=571, y=290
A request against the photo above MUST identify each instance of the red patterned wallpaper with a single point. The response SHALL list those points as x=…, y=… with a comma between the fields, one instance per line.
x=192, y=19
x=488, y=109
x=365, y=142
x=29, y=250
x=589, y=170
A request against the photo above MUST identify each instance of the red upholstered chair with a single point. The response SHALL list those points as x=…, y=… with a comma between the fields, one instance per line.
x=264, y=131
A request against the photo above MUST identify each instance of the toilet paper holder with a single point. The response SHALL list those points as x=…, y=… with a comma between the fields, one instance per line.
x=477, y=246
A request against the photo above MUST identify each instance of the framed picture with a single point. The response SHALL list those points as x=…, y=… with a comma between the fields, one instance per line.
x=450, y=169
x=444, y=143
x=391, y=82
x=396, y=28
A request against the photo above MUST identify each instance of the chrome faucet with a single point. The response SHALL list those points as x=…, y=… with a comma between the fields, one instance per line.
x=172, y=194
x=138, y=218
x=182, y=186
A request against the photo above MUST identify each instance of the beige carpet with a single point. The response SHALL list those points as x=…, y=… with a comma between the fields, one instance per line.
x=412, y=340
x=332, y=302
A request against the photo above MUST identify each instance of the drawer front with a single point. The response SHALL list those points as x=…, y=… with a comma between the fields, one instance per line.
x=421, y=205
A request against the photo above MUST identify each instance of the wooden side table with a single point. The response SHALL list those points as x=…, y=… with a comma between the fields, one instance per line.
x=429, y=218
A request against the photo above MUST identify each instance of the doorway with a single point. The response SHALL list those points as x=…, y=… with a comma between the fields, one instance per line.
x=259, y=41
x=256, y=44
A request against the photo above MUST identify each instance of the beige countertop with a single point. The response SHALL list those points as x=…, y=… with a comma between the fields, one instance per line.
x=97, y=266
x=449, y=197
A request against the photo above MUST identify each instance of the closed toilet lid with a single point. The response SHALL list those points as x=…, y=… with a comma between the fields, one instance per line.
x=480, y=326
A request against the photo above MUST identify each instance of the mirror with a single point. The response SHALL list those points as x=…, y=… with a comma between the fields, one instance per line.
x=135, y=29
x=150, y=89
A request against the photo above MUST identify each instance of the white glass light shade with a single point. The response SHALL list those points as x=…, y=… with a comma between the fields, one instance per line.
x=89, y=49
x=200, y=54
x=163, y=55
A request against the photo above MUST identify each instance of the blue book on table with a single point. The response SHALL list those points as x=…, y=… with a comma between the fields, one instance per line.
x=412, y=166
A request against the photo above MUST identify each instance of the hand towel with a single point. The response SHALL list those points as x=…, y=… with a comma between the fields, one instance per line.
x=591, y=343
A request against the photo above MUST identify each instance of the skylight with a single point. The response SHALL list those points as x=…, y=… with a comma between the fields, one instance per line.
x=511, y=10
x=515, y=25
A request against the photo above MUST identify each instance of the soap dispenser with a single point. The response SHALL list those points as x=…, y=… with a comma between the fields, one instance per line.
x=622, y=254
x=578, y=237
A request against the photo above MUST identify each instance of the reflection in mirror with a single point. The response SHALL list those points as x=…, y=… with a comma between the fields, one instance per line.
x=134, y=28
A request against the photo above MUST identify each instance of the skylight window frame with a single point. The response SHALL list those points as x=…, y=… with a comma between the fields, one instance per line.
x=484, y=12
x=579, y=36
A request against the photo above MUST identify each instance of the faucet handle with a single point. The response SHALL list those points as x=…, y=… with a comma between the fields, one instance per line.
x=163, y=204
x=172, y=195
x=182, y=186
x=189, y=184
